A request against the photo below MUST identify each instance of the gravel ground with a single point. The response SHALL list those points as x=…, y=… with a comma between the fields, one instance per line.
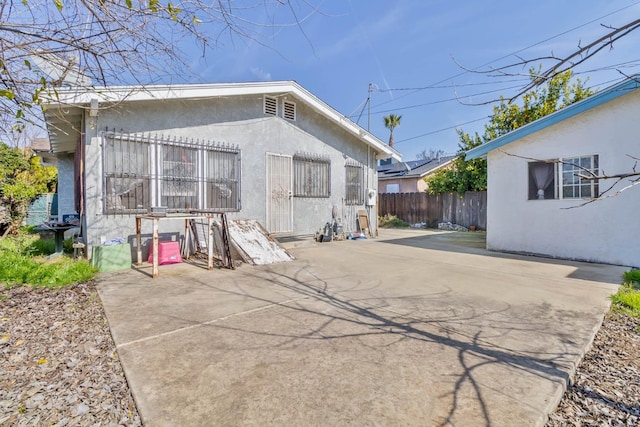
x=59, y=366
x=606, y=386
x=58, y=363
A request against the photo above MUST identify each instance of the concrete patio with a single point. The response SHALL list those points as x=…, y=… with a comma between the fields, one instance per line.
x=416, y=327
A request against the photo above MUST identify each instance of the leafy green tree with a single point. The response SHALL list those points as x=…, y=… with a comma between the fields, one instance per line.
x=22, y=179
x=391, y=122
x=461, y=175
x=471, y=175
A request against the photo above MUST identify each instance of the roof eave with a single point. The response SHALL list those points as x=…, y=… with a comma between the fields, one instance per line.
x=81, y=98
x=572, y=110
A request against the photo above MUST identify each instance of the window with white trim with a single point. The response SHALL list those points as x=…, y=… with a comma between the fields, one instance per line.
x=270, y=106
x=311, y=175
x=573, y=170
x=393, y=188
x=564, y=178
x=354, y=184
x=289, y=110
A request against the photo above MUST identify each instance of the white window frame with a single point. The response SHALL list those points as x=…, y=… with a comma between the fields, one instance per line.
x=564, y=177
x=566, y=170
x=392, y=188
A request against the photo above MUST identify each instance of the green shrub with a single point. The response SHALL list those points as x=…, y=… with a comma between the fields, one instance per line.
x=627, y=299
x=391, y=221
x=17, y=269
x=632, y=277
x=22, y=263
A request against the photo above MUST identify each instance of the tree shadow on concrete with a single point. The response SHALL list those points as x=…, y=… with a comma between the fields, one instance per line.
x=377, y=317
x=474, y=243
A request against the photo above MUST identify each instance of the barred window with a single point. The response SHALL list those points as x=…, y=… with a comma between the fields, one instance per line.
x=141, y=172
x=354, y=179
x=179, y=179
x=127, y=175
x=311, y=176
x=223, y=180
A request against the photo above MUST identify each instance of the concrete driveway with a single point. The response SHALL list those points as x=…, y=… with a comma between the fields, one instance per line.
x=415, y=328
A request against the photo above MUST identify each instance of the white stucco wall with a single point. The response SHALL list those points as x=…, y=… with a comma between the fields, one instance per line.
x=603, y=231
x=236, y=121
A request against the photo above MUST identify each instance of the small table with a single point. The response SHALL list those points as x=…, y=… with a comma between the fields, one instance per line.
x=156, y=226
x=59, y=230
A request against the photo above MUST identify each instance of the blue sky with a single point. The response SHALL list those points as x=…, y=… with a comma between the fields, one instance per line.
x=410, y=51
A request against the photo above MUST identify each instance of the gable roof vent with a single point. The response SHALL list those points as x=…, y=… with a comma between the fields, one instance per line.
x=270, y=106
x=289, y=110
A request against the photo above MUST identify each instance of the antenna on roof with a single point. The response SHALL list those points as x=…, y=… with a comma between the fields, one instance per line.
x=62, y=71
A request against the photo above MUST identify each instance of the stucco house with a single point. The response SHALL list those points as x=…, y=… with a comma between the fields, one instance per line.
x=541, y=198
x=408, y=177
x=270, y=151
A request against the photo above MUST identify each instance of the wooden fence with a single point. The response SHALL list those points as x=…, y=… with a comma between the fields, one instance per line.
x=470, y=209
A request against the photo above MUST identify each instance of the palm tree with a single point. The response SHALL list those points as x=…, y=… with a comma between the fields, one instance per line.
x=391, y=122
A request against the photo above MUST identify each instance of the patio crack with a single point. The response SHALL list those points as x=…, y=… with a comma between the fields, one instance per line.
x=210, y=322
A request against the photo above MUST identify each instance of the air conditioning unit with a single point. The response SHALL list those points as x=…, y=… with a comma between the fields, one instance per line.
x=370, y=197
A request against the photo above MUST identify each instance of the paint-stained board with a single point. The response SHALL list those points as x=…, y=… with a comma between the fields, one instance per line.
x=252, y=242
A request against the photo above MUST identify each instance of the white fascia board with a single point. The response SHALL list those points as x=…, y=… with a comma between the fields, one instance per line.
x=82, y=96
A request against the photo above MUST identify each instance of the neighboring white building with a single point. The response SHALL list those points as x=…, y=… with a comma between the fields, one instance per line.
x=268, y=151
x=536, y=202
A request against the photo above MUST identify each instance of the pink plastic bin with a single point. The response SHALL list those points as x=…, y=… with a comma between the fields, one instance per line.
x=168, y=253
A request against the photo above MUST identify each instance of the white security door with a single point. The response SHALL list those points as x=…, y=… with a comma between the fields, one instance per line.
x=279, y=193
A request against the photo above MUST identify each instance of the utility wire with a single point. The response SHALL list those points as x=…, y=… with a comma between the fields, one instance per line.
x=469, y=122
x=506, y=56
x=441, y=101
x=438, y=84
x=442, y=130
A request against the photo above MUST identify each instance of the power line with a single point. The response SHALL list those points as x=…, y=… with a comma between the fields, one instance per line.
x=451, y=85
x=442, y=130
x=438, y=85
x=508, y=55
x=441, y=101
x=608, y=82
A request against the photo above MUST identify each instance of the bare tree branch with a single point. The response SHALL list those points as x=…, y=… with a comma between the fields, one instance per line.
x=583, y=53
x=118, y=42
x=524, y=67
x=589, y=175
